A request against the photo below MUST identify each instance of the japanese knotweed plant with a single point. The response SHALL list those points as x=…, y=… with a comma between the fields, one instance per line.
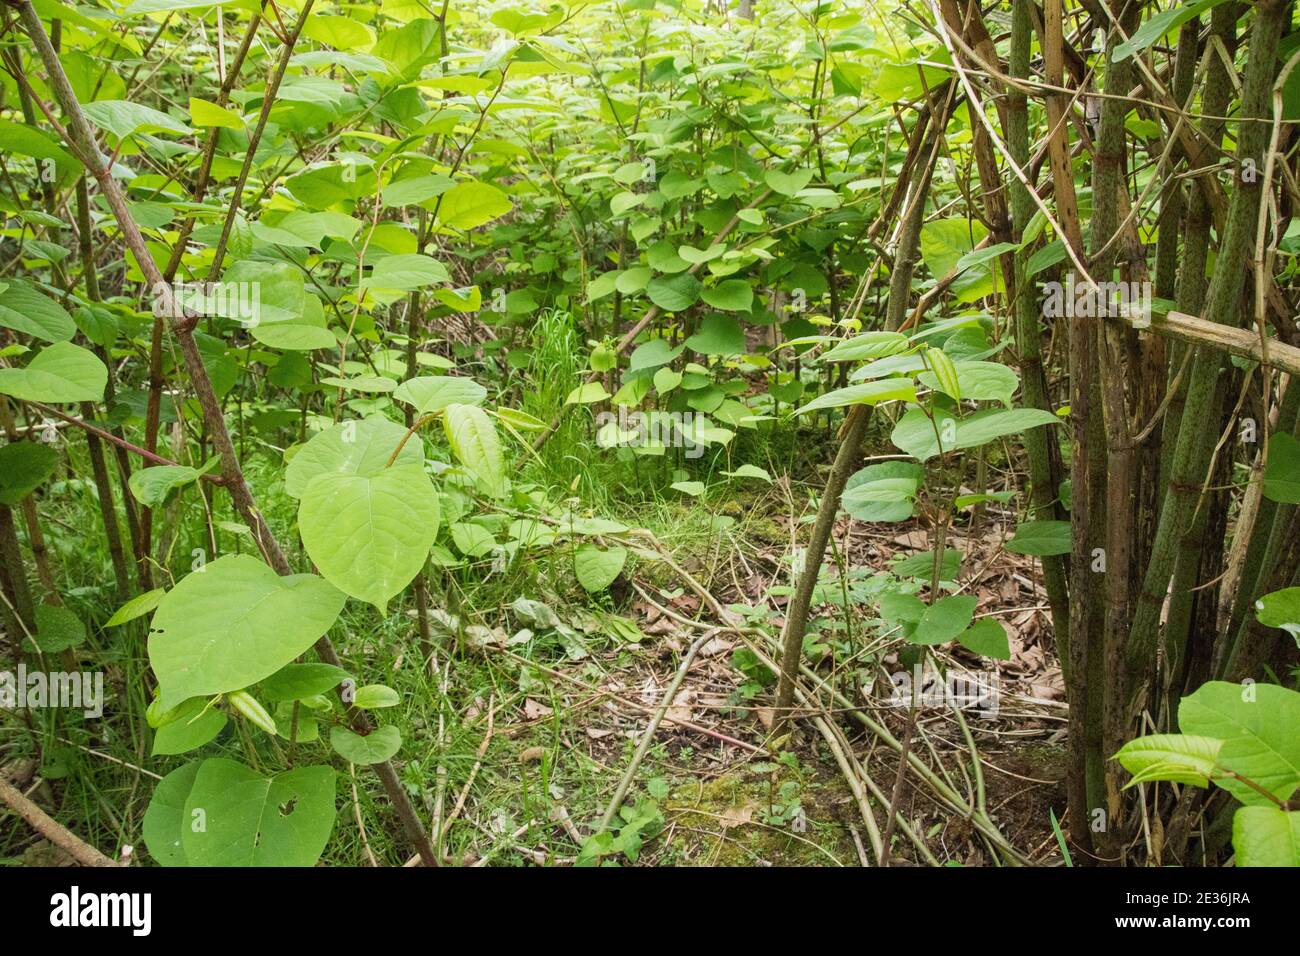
x=1242, y=738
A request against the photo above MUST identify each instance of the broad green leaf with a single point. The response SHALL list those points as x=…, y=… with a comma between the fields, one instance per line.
x=945, y=619
x=718, y=335
x=138, y=606
x=150, y=486
x=1266, y=836
x=193, y=725
x=1282, y=470
x=351, y=448
x=749, y=471
x=122, y=118
x=1281, y=609
x=596, y=567
x=376, y=747
x=59, y=373
x=1160, y=24
x=24, y=467
x=1257, y=724
x=692, y=488
x=369, y=535
x=733, y=295
x=471, y=204
x=870, y=345
x=433, y=393
x=474, y=441
x=1180, y=758
x=919, y=437
x=866, y=505
x=205, y=113
x=165, y=815
x=25, y=310
x=1041, y=538
x=234, y=623
x=58, y=629
x=375, y=697
x=300, y=681
x=252, y=820
x=405, y=272
x=866, y=393
x=674, y=293
x=342, y=33
x=787, y=184
x=988, y=638
x=586, y=394
x=978, y=381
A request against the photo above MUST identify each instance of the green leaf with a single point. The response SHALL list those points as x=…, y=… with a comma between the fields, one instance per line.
x=300, y=681
x=733, y=295
x=787, y=184
x=1282, y=470
x=749, y=471
x=865, y=393
x=351, y=448
x=1159, y=25
x=1041, y=538
x=150, y=486
x=25, y=310
x=596, y=567
x=1266, y=836
x=252, y=820
x=978, y=381
x=206, y=114
x=375, y=697
x=58, y=629
x=692, y=488
x=1179, y=758
x=165, y=816
x=1280, y=609
x=718, y=335
x=471, y=204
x=944, y=619
x=474, y=441
x=24, y=467
x=987, y=638
x=867, y=504
x=369, y=535
x=193, y=725
x=944, y=373
x=916, y=435
x=138, y=606
x=586, y=394
x=405, y=272
x=122, y=119
x=376, y=747
x=1257, y=724
x=674, y=293
x=59, y=373
x=870, y=345
x=234, y=623
x=433, y=393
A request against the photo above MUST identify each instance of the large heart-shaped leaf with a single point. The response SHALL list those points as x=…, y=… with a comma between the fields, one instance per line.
x=25, y=310
x=432, y=393
x=1257, y=724
x=350, y=448
x=234, y=623
x=63, y=372
x=369, y=535
x=234, y=816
